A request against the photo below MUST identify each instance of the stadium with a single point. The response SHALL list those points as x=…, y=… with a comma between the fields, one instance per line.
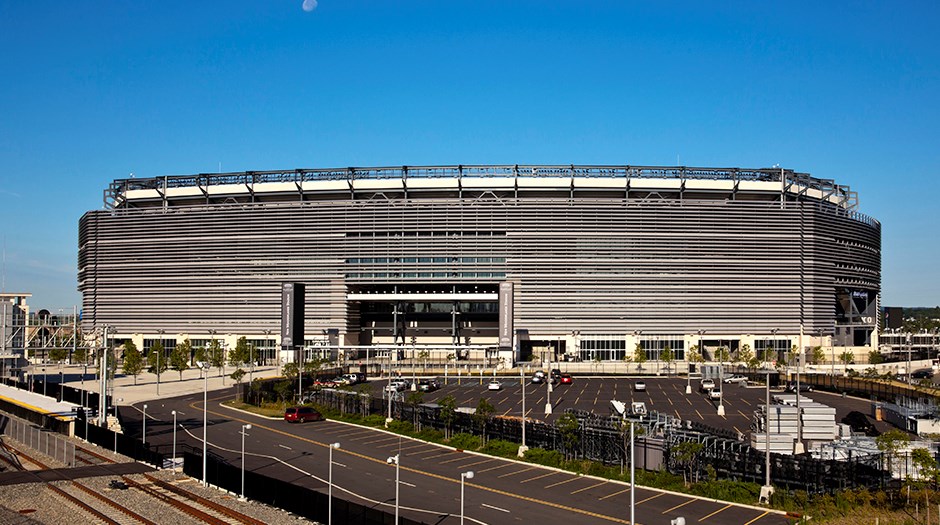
x=580, y=263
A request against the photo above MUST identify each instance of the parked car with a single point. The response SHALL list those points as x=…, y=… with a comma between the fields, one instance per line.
x=639, y=386
x=396, y=386
x=301, y=415
x=556, y=373
x=924, y=373
x=352, y=378
x=714, y=393
x=565, y=379
x=494, y=385
x=736, y=378
x=428, y=385
x=791, y=387
x=859, y=422
x=706, y=385
x=538, y=377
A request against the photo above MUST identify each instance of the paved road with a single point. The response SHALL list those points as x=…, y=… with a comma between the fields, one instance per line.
x=501, y=491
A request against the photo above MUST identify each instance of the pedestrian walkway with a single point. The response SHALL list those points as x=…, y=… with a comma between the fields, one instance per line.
x=128, y=390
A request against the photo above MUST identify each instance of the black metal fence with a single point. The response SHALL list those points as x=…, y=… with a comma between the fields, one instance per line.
x=605, y=440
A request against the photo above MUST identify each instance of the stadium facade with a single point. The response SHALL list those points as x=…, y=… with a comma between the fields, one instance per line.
x=577, y=262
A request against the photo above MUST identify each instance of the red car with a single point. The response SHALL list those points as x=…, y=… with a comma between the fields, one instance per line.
x=302, y=415
x=566, y=379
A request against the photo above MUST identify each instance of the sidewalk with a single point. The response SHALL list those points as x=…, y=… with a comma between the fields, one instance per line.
x=127, y=393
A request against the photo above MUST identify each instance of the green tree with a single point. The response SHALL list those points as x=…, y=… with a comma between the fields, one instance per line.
x=721, y=354
x=58, y=354
x=156, y=360
x=890, y=443
x=238, y=356
x=133, y=361
x=846, y=357
x=414, y=400
x=290, y=370
x=80, y=355
x=746, y=356
x=925, y=463
x=448, y=413
x=666, y=356
x=793, y=355
x=482, y=415
x=284, y=389
x=216, y=355
x=686, y=455
x=201, y=354
x=569, y=427
x=639, y=356
x=875, y=357
x=179, y=357
x=424, y=355
x=237, y=375
x=818, y=355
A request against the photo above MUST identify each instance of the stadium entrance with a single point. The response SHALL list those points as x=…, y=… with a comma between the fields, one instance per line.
x=425, y=314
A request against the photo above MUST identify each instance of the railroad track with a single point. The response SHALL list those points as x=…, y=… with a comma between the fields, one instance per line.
x=99, y=508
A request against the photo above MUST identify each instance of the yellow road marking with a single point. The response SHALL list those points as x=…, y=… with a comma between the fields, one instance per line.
x=504, y=465
x=651, y=497
x=560, y=483
x=670, y=401
x=589, y=488
x=703, y=518
x=378, y=440
x=766, y=512
x=538, y=477
x=615, y=493
x=513, y=495
x=476, y=463
x=679, y=505
x=458, y=458
x=516, y=472
x=699, y=415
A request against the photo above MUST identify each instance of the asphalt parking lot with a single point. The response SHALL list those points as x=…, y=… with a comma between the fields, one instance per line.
x=663, y=394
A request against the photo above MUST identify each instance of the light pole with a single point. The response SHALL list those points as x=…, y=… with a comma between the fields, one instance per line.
x=391, y=460
x=205, y=416
x=329, y=505
x=909, y=348
x=244, y=433
x=145, y=423
x=161, y=332
x=522, y=448
x=44, y=380
x=174, y=440
x=767, y=490
x=465, y=476
x=632, y=483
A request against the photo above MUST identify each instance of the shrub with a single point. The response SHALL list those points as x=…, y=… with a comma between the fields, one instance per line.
x=431, y=434
x=464, y=441
x=549, y=458
x=401, y=427
x=501, y=447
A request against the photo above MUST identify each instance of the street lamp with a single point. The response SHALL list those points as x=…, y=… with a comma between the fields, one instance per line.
x=329, y=505
x=522, y=448
x=632, y=473
x=391, y=460
x=44, y=380
x=244, y=433
x=174, y=440
x=145, y=423
x=465, y=476
x=205, y=416
x=161, y=332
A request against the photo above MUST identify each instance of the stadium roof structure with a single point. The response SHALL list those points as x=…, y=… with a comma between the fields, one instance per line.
x=169, y=189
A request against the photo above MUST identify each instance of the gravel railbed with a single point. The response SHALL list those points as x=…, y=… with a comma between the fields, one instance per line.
x=35, y=503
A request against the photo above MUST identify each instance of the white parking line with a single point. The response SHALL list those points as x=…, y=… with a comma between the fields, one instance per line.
x=284, y=446
x=494, y=508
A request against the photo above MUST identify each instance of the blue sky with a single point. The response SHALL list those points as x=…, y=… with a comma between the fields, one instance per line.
x=92, y=91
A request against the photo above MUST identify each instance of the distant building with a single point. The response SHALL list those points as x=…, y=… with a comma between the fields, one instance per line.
x=14, y=316
x=576, y=262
